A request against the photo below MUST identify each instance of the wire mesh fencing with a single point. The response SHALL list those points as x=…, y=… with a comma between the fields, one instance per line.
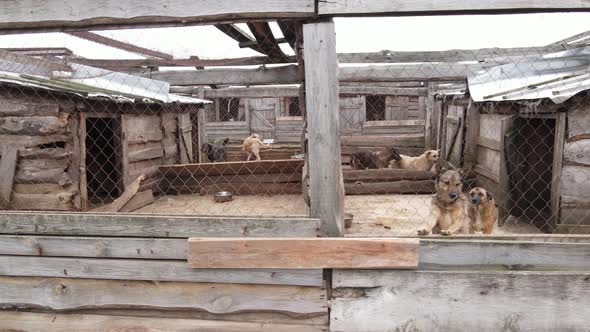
x=159, y=134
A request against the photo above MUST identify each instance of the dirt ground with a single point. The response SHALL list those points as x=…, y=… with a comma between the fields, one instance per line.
x=374, y=215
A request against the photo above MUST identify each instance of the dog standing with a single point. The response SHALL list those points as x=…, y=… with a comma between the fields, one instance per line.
x=372, y=160
x=481, y=211
x=424, y=162
x=216, y=152
x=448, y=214
x=252, y=145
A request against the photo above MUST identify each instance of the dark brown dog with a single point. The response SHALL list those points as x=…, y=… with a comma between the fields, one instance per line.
x=482, y=211
x=448, y=215
x=216, y=152
x=372, y=160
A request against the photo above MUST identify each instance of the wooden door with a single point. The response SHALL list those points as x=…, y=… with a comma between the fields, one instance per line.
x=352, y=115
x=404, y=108
x=185, y=140
x=263, y=116
x=453, y=140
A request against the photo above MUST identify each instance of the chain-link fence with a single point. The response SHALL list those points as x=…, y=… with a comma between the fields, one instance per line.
x=161, y=135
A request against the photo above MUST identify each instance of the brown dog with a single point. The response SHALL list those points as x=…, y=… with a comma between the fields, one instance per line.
x=372, y=160
x=423, y=162
x=252, y=145
x=481, y=211
x=448, y=215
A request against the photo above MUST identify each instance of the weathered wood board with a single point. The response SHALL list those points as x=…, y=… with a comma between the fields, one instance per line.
x=574, y=181
x=7, y=169
x=71, y=294
x=459, y=301
x=234, y=168
x=157, y=270
x=303, y=253
x=111, y=225
x=31, y=322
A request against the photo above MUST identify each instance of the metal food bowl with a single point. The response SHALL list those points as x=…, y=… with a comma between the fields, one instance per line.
x=223, y=196
x=347, y=220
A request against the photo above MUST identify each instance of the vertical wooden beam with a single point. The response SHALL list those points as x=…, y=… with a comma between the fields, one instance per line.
x=472, y=132
x=7, y=171
x=201, y=124
x=560, y=121
x=124, y=153
x=321, y=87
x=503, y=195
x=74, y=147
x=429, y=143
x=82, y=162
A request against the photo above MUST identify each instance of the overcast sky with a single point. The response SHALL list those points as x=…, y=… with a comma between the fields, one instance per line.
x=353, y=35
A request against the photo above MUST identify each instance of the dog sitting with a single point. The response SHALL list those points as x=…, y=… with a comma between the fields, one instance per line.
x=423, y=162
x=481, y=211
x=216, y=152
x=252, y=145
x=448, y=214
x=372, y=160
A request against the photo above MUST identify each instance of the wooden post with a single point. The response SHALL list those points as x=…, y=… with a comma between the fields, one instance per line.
x=321, y=88
x=429, y=142
x=7, y=171
x=201, y=116
x=472, y=132
x=560, y=121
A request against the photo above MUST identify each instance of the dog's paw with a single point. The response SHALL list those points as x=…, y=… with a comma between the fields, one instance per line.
x=445, y=232
x=423, y=231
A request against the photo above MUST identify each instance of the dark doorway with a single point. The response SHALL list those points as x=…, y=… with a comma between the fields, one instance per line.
x=530, y=168
x=103, y=160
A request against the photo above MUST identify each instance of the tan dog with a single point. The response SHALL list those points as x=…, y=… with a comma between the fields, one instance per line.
x=252, y=145
x=423, y=162
x=448, y=215
x=481, y=211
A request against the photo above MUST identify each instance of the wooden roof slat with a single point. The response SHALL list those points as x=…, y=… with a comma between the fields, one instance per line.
x=120, y=45
x=266, y=40
x=288, y=28
x=239, y=35
x=572, y=40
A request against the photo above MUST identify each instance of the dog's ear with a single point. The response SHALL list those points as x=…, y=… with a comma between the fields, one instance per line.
x=489, y=195
x=440, y=168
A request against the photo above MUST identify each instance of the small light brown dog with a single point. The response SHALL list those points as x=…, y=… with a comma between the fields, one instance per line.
x=423, y=162
x=482, y=211
x=252, y=145
x=448, y=215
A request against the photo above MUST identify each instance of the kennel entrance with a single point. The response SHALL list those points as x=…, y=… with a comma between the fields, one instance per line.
x=530, y=153
x=104, y=181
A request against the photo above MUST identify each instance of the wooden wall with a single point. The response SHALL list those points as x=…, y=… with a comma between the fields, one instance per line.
x=45, y=132
x=575, y=175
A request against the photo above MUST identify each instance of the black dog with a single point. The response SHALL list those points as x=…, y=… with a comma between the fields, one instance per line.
x=216, y=152
x=373, y=160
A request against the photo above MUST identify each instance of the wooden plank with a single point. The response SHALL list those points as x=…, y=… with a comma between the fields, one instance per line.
x=326, y=186
x=472, y=133
x=556, y=238
x=29, y=322
x=60, y=294
x=381, y=90
x=157, y=270
x=503, y=255
x=154, y=225
x=185, y=140
x=51, y=15
x=94, y=37
x=489, y=143
x=236, y=33
x=83, y=184
x=455, y=55
x=7, y=172
x=35, y=125
x=386, y=174
x=572, y=229
x=418, y=72
x=558, y=151
x=395, y=187
x=129, y=64
x=402, y=140
x=394, y=123
x=60, y=201
x=455, y=301
x=118, y=203
x=234, y=168
x=252, y=92
x=302, y=253
x=239, y=76
x=398, y=7
x=138, y=201
x=487, y=173
x=22, y=108
x=145, y=154
x=266, y=40
x=578, y=122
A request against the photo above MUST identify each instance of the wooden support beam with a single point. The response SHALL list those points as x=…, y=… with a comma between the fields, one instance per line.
x=558, y=148
x=581, y=38
x=157, y=270
x=28, y=321
x=259, y=76
x=266, y=40
x=40, y=51
x=83, y=224
x=7, y=172
x=239, y=35
x=23, y=64
x=325, y=253
x=191, y=62
x=428, y=7
x=421, y=72
x=289, y=30
x=94, y=37
x=322, y=112
x=57, y=15
x=251, y=43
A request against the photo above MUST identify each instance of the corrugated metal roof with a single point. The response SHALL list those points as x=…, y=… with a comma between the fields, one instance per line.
x=95, y=83
x=557, y=76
